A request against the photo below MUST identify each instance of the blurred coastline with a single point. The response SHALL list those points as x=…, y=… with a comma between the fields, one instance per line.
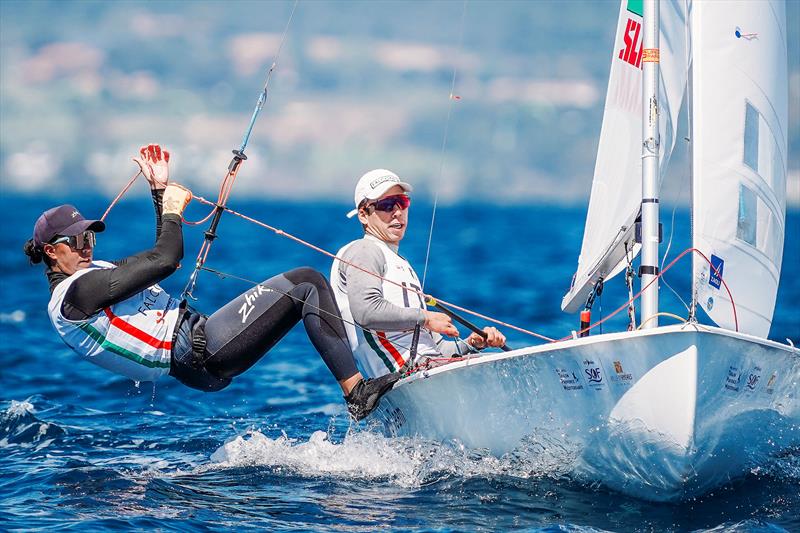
x=358, y=85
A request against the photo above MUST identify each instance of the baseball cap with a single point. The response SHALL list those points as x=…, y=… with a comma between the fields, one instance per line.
x=63, y=220
x=374, y=184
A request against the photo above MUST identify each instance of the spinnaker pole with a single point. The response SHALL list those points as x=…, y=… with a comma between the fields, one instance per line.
x=648, y=270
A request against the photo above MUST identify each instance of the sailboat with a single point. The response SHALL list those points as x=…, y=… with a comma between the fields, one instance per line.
x=662, y=412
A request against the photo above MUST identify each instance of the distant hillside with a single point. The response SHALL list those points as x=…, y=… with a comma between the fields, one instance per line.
x=358, y=85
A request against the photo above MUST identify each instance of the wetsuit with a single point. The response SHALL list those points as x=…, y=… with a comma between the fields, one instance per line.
x=386, y=311
x=205, y=352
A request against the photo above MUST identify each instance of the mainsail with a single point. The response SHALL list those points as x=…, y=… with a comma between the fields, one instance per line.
x=616, y=189
x=740, y=101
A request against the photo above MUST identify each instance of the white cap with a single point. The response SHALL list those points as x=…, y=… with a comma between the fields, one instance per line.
x=374, y=184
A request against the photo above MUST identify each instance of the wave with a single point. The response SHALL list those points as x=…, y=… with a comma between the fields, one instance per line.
x=408, y=462
x=19, y=426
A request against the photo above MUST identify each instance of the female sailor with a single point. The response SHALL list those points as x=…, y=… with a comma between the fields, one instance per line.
x=115, y=314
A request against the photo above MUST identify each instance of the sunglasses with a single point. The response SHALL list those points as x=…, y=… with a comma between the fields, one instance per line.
x=388, y=204
x=78, y=242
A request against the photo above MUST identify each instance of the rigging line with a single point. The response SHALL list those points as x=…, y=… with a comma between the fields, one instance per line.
x=451, y=98
x=687, y=59
x=661, y=273
x=233, y=169
x=121, y=193
x=316, y=248
x=669, y=245
x=688, y=45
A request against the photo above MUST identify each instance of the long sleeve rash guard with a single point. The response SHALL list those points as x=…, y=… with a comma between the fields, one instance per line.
x=101, y=288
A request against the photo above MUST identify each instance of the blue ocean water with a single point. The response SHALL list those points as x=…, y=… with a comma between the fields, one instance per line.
x=83, y=449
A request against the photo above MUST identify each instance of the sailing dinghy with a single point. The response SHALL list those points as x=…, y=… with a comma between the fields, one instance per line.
x=659, y=412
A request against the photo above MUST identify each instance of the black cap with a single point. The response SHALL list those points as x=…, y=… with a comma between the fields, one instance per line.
x=63, y=220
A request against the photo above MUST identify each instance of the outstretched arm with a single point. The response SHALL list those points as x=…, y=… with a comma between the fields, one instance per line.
x=104, y=287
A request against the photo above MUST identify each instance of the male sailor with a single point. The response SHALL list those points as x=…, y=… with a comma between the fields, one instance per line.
x=388, y=307
x=115, y=315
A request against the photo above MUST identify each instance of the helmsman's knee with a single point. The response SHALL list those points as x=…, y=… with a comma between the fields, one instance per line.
x=307, y=275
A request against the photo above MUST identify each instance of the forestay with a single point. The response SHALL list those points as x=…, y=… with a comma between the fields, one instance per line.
x=616, y=189
x=740, y=126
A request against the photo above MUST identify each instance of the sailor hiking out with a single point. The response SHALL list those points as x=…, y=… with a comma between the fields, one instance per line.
x=115, y=314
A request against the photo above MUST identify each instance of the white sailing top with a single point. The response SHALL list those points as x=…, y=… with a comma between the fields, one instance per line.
x=132, y=338
x=386, y=310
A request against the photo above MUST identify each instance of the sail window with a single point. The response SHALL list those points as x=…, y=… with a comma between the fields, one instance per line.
x=748, y=213
x=761, y=151
x=751, y=120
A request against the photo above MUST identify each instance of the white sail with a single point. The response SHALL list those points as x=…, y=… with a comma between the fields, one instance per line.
x=616, y=190
x=740, y=101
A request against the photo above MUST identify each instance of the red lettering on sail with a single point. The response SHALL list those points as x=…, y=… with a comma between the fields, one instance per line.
x=632, y=53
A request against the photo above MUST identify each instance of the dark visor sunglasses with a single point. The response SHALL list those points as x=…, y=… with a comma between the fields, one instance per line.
x=78, y=242
x=388, y=204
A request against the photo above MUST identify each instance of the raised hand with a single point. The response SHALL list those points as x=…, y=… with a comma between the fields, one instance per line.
x=153, y=162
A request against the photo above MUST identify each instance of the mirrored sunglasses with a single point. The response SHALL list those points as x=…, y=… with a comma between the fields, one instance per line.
x=388, y=204
x=78, y=242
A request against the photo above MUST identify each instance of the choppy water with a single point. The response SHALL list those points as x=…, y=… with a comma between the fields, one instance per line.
x=83, y=449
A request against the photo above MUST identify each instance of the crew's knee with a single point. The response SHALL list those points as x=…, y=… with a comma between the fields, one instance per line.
x=307, y=275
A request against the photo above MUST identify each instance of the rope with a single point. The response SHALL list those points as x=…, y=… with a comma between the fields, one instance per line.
x=362, y=269
x=121, y=193
x=444, y=142
x=670, y=315
x=672, y=263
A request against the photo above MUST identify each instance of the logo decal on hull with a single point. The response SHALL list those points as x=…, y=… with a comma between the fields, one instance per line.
x=621, y=376
x=753, y=378
x=594, y=374
x=733, y=379
x=769, y=388
x=569, y=380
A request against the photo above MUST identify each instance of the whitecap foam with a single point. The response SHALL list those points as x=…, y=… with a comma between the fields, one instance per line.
x=409, y=462
x=18, y=409
x=19, y=426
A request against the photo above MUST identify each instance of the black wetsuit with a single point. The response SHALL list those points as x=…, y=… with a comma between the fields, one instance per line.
x=208, y=351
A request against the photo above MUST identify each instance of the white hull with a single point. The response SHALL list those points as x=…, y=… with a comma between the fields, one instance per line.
x=662, y=414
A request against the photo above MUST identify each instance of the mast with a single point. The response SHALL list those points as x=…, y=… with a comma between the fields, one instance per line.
x=650, y=152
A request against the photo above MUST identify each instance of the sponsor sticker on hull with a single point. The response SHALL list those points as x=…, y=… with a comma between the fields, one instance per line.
x=621, y=377
x=569, y=379
x=733, y=379
x=753, y=379
x=593, y=374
